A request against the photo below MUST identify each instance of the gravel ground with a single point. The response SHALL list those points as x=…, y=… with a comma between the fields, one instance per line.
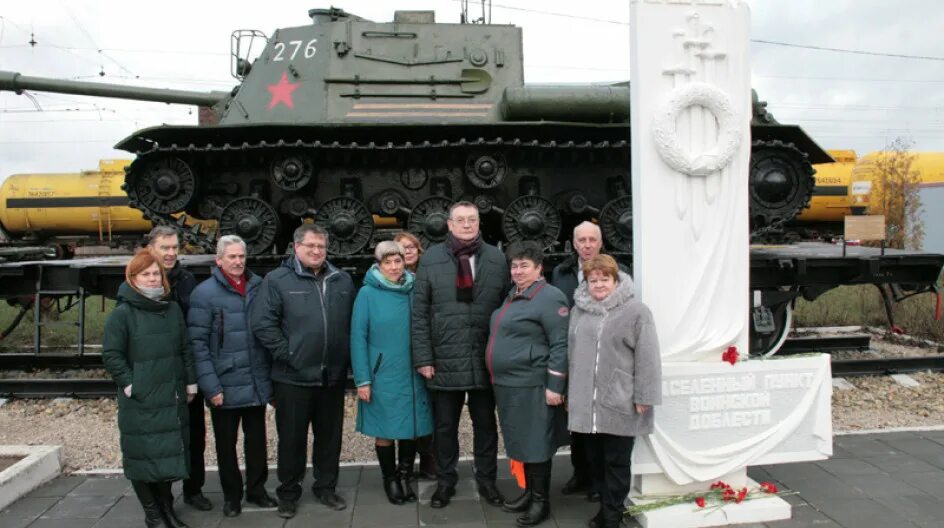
x=87, y=427
x=89, y=433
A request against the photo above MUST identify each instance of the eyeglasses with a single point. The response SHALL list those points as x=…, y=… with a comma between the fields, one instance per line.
x=314, y=247
x=472, y=220
x=408, y=249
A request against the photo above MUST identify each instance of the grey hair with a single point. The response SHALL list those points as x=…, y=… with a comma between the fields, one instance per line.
x=299, y=235
x=588, y=224
x=161, y=231
x=462, y=203
x=386, y=249
x=228, y=240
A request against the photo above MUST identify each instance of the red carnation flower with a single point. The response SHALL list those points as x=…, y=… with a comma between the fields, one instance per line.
x=741, y=495
x=719, y=485
x=700, y=501
x=730, y=355
x=728, y=494
x=768, y=487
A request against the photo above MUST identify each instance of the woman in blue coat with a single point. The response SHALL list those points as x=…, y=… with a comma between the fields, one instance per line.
x=392, y=400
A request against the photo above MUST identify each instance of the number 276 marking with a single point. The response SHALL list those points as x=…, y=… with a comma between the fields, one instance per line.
x=296, y=45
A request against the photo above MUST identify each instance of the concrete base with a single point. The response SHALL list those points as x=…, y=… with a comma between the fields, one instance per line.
x=691, y=516
x=39, y=465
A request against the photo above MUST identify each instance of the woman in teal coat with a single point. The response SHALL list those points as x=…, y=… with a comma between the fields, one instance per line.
x=392, y=400
x=146, y=352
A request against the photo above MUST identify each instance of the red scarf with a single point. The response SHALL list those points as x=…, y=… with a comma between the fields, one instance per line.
x=464, y=251
x=239, y=285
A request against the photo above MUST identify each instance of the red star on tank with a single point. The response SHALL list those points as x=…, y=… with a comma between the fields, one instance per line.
x=282, y=92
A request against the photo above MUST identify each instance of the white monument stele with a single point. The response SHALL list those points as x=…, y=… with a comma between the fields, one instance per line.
x=691, y=145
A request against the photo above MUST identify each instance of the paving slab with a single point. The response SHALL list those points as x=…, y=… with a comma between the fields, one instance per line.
x=806, y=516
x=81, y=507
x=899, y=462
x=26, y=510
x=921, y=509
x=58, y=487
x=863, y=513
x=101, y=486
x=893, y=479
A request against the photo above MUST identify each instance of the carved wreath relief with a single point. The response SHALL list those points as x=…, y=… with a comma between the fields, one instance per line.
x=710, y=125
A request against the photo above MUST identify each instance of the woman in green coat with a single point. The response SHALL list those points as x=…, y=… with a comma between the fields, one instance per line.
x=145, y=351
x=392, y=400
x=527, y=360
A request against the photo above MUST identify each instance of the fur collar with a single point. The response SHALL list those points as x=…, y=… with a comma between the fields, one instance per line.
x=620, y=296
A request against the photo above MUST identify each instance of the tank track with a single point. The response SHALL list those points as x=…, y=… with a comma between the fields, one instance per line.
x=207, y=241
x=773, y=230
x=769, y=233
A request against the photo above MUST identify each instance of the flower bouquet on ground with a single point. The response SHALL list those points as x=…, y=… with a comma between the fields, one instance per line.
x=718, y=496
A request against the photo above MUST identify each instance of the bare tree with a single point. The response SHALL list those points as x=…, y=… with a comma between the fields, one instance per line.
x=898, y=193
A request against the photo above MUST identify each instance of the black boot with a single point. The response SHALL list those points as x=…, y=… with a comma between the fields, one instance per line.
x=406, y=456
x=597, y=520
x=538, y=477
x=386, y=455
x=424, y=446
x=165, y=498
x=152, y=510
x=612, y=518
x=521, y=503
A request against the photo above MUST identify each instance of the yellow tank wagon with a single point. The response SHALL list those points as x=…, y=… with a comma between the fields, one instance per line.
x=851, y=186
x=50, y=215
x=831, y=200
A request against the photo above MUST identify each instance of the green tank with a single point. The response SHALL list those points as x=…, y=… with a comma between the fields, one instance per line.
x=368, y=128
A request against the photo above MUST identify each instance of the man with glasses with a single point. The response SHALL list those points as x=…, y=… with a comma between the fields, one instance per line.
x=458, y=285
x=302, y=316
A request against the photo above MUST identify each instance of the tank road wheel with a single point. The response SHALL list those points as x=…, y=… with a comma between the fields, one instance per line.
x=616, y=222
x=349, y=224
x=532, y=218
x=428, y=220
x=781, y=183
x=291, y=172
x=486, y=171
x=163, y=185
x=253, y=220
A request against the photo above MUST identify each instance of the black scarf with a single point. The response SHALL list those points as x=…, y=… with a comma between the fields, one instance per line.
x=464, y=251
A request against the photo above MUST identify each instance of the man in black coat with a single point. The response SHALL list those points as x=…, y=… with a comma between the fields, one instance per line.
x=164, y=243
x=302, y=316
x=459, y=283
x=588, y=243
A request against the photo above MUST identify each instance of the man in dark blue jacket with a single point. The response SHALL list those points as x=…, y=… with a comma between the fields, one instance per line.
x=233, y=372
x=302, y=315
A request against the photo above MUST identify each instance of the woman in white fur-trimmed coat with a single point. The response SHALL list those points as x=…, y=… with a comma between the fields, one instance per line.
x=615, y=377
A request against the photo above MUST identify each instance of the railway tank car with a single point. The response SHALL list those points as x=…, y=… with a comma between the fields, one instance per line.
x=853, y=186
x=57, y=215
x=345, y=121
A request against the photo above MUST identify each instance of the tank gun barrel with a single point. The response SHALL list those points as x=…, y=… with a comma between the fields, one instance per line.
x=582, y=103
x=15, y=82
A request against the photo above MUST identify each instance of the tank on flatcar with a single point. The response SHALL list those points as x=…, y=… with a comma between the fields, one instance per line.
x=368, y=127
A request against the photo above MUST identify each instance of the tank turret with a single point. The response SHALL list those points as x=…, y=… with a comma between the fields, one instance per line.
x=366, y=128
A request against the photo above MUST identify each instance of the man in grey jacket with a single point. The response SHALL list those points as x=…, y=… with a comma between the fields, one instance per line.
x=459, y=284
x=567, y=276
x=302, y=316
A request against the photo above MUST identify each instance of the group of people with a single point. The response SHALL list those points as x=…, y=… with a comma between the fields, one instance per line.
x=570, y=361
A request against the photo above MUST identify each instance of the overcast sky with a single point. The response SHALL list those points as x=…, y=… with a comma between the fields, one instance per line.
x=844, y=100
